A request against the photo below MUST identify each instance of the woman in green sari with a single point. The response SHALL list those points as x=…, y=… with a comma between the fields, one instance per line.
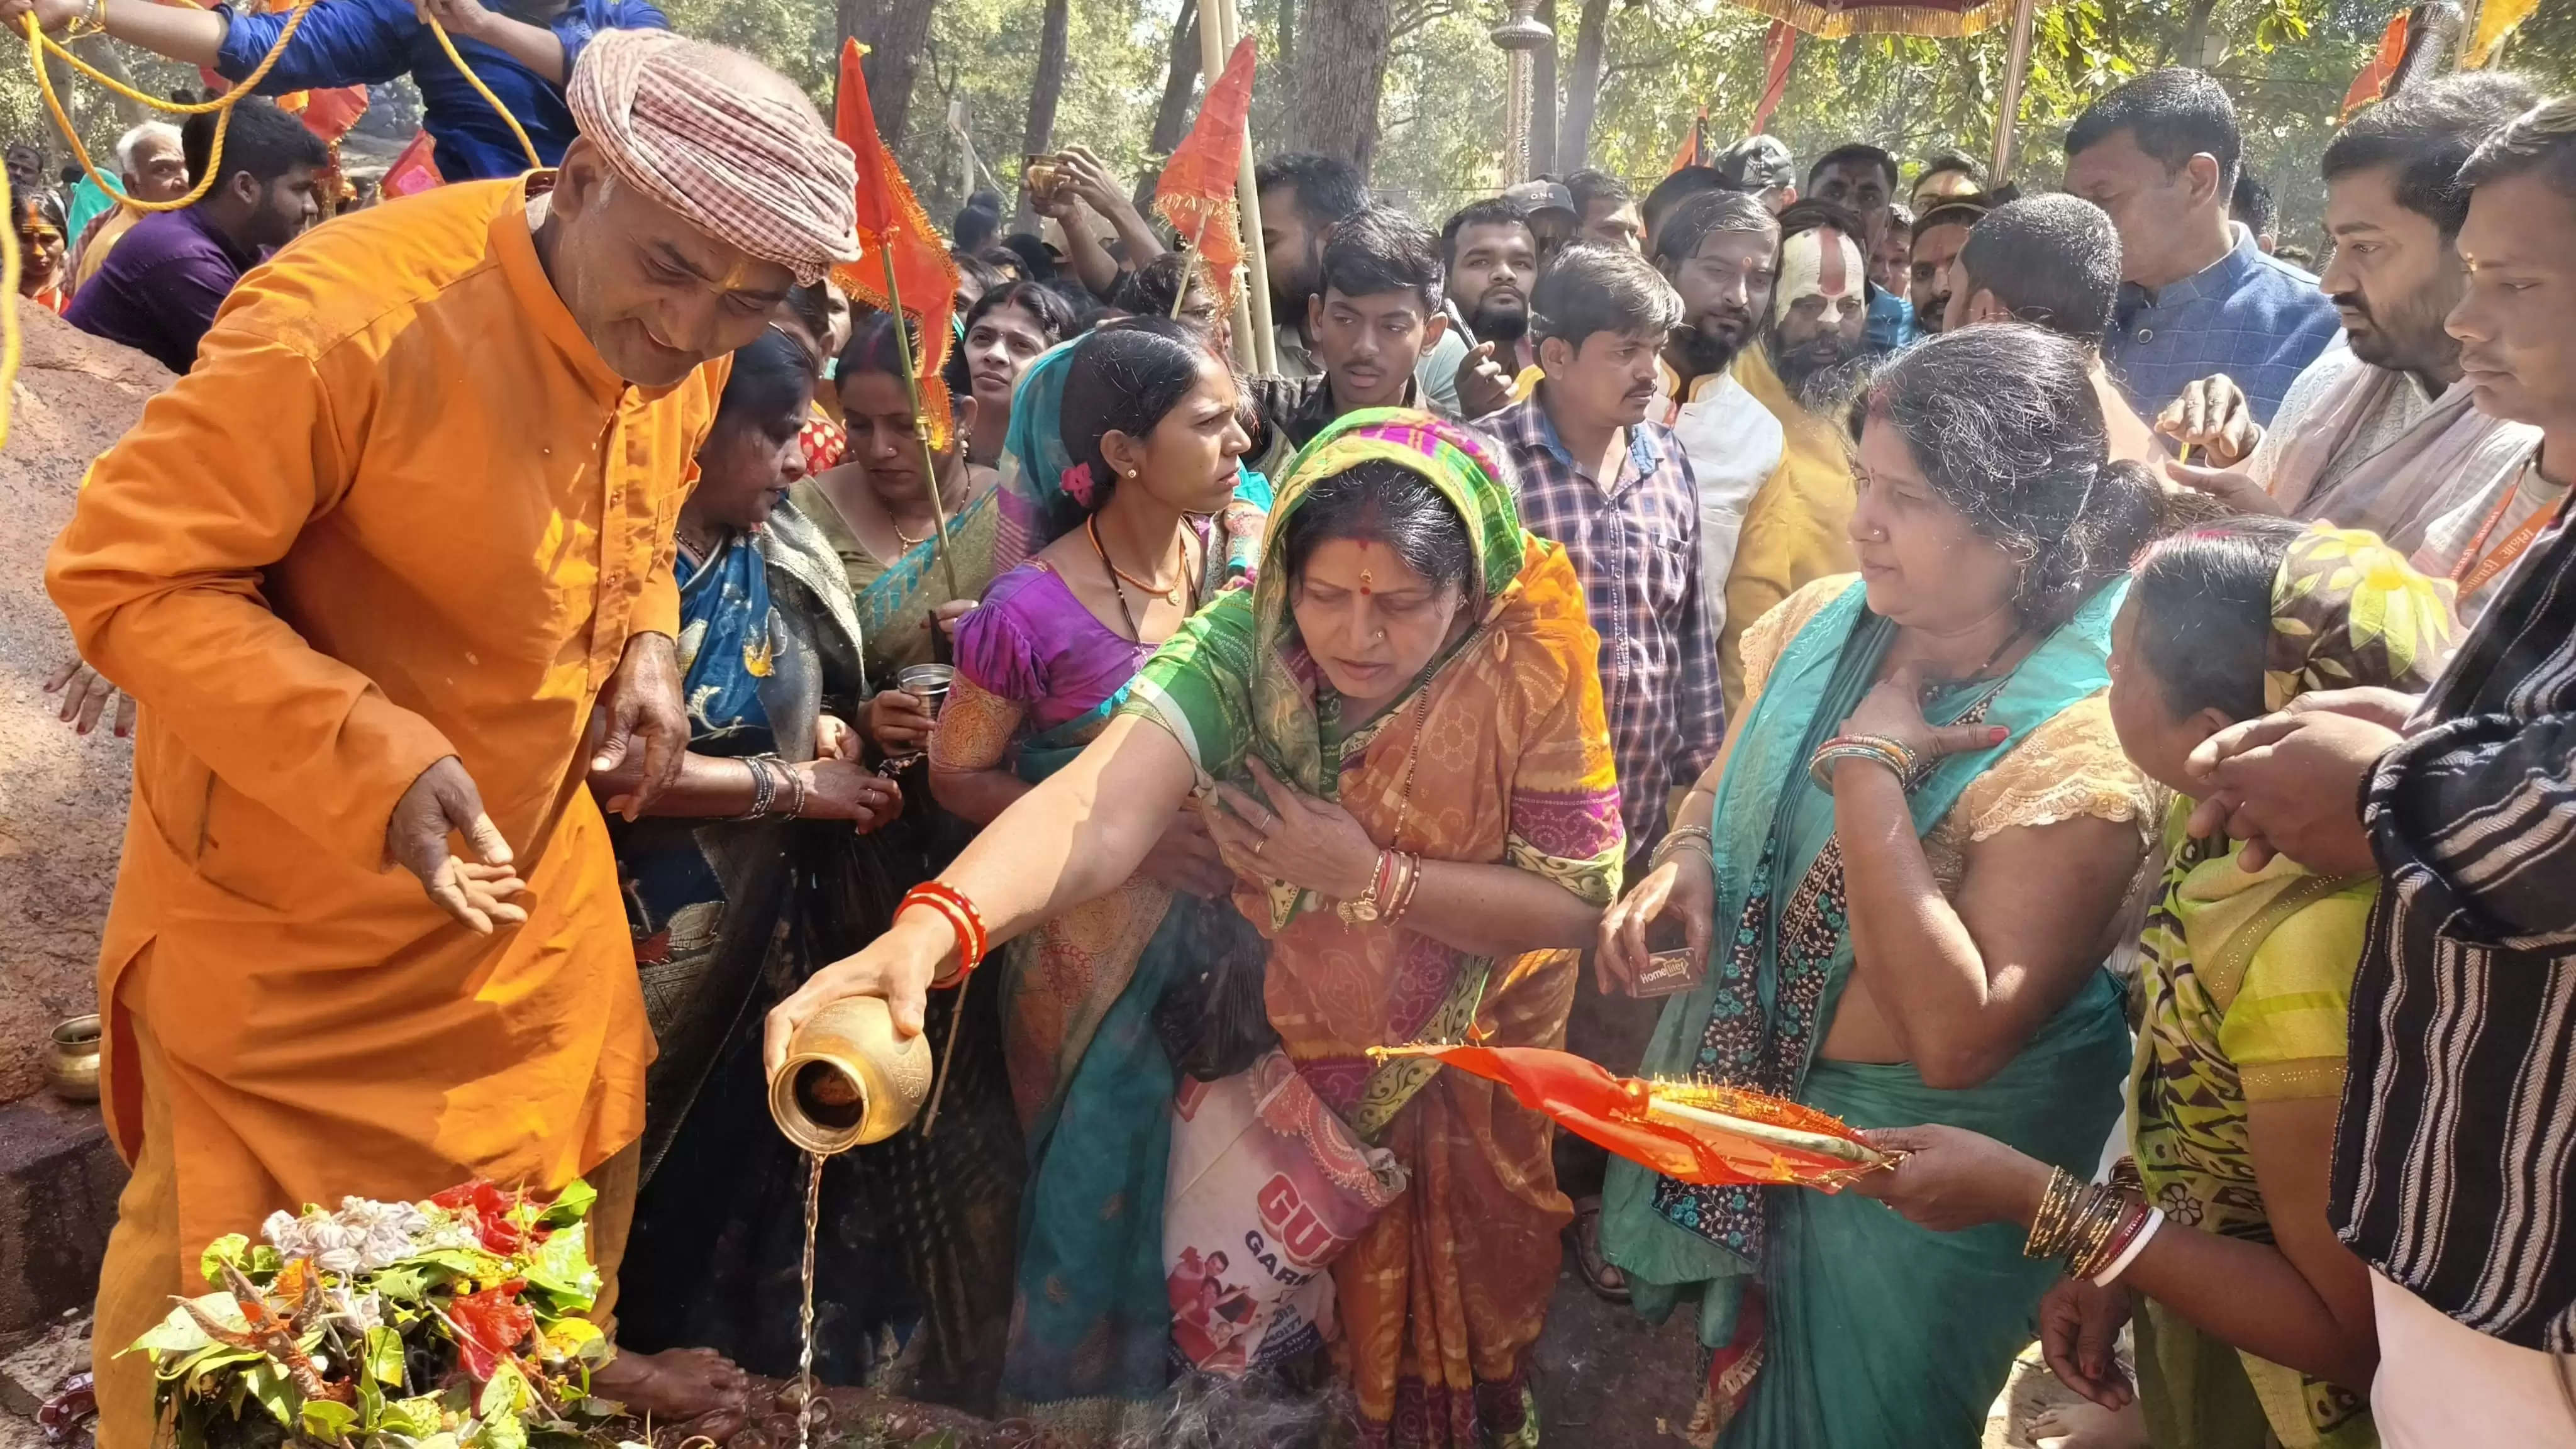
x=879, y=511
x=1909, y=858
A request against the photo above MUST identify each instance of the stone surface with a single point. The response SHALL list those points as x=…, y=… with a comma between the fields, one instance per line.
x=30, y=1376
x=62, y=797
x=58, y=1184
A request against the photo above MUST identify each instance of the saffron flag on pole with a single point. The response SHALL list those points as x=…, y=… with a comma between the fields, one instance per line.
x=912, y=272
x=1781, y=53
x=1690, y=153
x=2374, y=77
x=1196, y=191
x=1688, y=1131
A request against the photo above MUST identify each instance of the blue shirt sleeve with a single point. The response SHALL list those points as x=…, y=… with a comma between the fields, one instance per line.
x=578, y=24
x=344, y=43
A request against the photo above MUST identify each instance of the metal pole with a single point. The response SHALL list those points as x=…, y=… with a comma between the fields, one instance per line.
x=2008, y=115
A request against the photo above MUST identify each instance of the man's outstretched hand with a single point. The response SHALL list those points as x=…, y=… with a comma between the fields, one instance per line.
x=475, y=890
x=641, y=714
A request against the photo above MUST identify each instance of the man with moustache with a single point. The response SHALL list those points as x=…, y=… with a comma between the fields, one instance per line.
x=391, y=573
x=1794, y=528
x=1938, y=235
x=2452, y=1176
x=1721, y=252
x=1491, y=254
x=1597, y=475
x=2385, y=433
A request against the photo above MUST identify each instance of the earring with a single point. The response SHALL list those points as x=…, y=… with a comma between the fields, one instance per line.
x=1131, y=472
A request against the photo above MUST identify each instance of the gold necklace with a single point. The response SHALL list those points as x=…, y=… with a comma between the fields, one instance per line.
x=1169, y=594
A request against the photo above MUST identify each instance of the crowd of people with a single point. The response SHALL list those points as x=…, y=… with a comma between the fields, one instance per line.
x=2091, y=699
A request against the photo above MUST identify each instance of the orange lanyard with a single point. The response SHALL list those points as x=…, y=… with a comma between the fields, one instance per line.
x=2473, y=572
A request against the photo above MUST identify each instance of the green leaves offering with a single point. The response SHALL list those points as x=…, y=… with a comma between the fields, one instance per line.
x=452, y=1323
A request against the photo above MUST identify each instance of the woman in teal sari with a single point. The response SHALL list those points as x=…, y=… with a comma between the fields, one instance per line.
x=1155, y=517
x=1904, y=873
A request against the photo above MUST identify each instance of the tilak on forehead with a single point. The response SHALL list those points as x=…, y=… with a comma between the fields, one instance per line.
x=761, y=173
x=1821, y=262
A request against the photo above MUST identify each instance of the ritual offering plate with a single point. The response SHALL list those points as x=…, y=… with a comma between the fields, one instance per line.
x=1688, y=1131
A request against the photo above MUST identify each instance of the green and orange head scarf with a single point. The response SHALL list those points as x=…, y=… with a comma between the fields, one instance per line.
x=2348, y=611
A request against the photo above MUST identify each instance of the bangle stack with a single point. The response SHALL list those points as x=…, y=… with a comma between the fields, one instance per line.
x=1879, y=749
x=1681, y=838
x=91, y=21
x=1390, y=892
x=962, y=916
x=2097, y=1229
x=771, y=777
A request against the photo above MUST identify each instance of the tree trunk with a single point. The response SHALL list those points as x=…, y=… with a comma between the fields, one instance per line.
x=129, y=114
x=1583, y=86
x=1044, y=91
x=897, y=35
x=1287, y=37
x=1340, y=70
x=1172, y=113
x=1543, y=149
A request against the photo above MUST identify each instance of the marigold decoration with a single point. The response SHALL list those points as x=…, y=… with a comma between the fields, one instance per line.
x=924, y=284
x=1196, y=191
x=1688, y=1131
x=454, y=1322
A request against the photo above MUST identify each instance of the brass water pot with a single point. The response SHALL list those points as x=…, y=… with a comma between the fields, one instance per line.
x=71, y=1059
x=847, y=1081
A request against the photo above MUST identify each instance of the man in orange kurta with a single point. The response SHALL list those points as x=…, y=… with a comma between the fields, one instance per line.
x=374, y=569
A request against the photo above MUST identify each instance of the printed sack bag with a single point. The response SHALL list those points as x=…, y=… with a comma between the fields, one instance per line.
x=1267, y=1186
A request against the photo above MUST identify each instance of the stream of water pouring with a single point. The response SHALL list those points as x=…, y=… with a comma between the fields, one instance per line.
x=805, y=1310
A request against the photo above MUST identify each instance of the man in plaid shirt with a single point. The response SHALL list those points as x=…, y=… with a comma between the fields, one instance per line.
x=1617, y=491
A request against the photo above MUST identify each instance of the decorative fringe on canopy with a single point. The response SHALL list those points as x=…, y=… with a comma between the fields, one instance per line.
x=1926, y=21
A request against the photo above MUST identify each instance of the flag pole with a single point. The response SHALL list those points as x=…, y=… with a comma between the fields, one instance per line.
x=2008, y=113
x=920, y=425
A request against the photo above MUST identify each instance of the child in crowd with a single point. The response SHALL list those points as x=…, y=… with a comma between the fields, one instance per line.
x=2257, y=1324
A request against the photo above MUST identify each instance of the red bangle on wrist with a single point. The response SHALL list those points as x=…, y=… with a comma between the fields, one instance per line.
x=962, y=918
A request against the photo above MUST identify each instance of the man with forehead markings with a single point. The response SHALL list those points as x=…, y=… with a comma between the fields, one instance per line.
x=391, y=570
x=1793, y=528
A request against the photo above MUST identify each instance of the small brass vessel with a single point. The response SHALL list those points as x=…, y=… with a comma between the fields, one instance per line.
x=847, y=1080
x=71, y=1059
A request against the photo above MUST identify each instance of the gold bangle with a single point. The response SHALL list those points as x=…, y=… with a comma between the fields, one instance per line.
x=2049, y=1225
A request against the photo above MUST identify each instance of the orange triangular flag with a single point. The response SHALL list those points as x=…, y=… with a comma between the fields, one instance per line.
x=1689, y=1132
x=1779, y=56
x=1196, y=192
x=905, y=264
x=2374, y=77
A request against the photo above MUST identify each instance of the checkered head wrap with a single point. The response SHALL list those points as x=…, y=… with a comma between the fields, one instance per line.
x=760, y=173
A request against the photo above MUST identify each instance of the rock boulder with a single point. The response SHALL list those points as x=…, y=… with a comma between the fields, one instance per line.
x=62, y=796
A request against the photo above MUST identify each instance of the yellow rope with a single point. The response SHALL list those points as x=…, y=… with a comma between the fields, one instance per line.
x=534, y=162
x=9, y=339
x=38, y=43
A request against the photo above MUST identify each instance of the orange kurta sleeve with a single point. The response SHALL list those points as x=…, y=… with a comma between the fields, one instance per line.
x=159, y=573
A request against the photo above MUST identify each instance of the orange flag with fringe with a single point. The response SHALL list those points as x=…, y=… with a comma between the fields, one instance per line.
x=2374, y=77
x=1688, y=1131
x=1196, y=191
x=904, y=263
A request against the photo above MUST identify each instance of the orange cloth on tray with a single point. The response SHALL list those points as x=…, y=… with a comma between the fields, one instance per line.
x=401, y=509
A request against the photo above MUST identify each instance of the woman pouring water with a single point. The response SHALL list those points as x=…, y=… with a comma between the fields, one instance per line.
x=1411, y=772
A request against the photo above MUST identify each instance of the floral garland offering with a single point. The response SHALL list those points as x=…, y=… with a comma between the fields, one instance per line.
x=453, y=1323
